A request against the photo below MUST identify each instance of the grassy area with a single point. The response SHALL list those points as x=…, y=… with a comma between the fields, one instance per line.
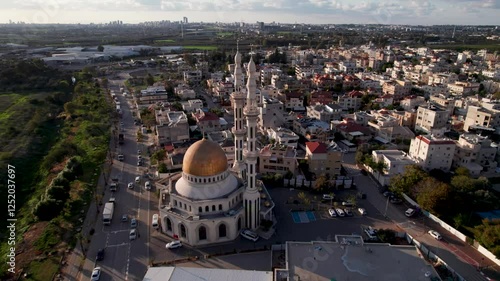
x=224, y=34
x=42, y=270
x=165, y=41
x=200, y=48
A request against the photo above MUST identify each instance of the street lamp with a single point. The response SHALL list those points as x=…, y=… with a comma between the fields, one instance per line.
x=386, y=206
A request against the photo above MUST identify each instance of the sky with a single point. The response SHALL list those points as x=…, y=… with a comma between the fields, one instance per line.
x=415, y=12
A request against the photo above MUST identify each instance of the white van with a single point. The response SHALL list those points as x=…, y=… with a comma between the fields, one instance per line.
x=154, y=223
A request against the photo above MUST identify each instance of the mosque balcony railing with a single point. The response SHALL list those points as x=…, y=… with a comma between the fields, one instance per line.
x=251, y=110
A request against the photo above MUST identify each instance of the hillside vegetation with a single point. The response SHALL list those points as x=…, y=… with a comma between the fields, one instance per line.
x=57, y=137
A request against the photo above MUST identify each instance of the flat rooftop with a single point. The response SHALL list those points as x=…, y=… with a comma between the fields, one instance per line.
x=326, y=261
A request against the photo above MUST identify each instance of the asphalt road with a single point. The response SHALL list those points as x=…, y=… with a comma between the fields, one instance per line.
x=124, y=259
x=460, y=256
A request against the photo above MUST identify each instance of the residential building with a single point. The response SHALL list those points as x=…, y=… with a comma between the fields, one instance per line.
x=192, y=105
x=352, y=131
x=481, y=118
x=321, y=97
x=387, y=128
x=271, y=114
x=276, y=158
x=350, y=101
x=222, y=89
x=207, y=121
x=324, y=159
x=444, y=102
x=283, y=136
x=395, y=162
x=406, y=118
x=461, y=88
x=172, y=126
x=293, y=101
x=309, y=127
x=432, y=119
x=266, y=73
x=475, y=153
x=193, y=76
x=185, y=92
x=397, y=88
x=325, y=113
x=178, y=273
x=412, y=102
x=432, y=153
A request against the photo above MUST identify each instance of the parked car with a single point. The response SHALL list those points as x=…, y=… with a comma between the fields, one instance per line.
x=154, y=221
x=125, y=218
x=147, y=185
x=388, y=194
x=327, y=197
x=362, y=211
x=347, y=204
x=348, y=212
x=173, y=245
x=138, y=179
x=100, y=255
x=435, y=234
x=96, y=274
x=395, y=200
x=410, y=212
x=133, y=234
x=250, y=235
x=130, y=185
x=133, y=223
x=371, y=233
x=332, y=212
x=340, y=212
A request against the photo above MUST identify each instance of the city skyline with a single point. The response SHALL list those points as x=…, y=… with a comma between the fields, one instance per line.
x=425, y=12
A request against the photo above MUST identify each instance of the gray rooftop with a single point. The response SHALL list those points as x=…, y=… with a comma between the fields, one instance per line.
x=204, y=274
x=325, y=261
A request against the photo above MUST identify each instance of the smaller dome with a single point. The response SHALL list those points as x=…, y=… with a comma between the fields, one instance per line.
x=204, y=158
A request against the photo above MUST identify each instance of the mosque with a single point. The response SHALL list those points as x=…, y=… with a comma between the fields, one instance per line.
x=210, y=202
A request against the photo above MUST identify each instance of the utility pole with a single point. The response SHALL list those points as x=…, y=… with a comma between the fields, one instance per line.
x=386, y=206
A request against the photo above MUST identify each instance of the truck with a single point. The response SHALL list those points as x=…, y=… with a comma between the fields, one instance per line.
x=121, y=139
x=107, y=213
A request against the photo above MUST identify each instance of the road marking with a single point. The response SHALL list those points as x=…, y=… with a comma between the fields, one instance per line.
x=128, y=262
x=117, y=245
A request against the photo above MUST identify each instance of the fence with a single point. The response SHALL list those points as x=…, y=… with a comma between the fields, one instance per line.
x=424, y=251
x=298, y=182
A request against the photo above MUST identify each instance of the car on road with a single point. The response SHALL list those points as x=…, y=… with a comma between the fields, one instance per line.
x=332, y=213
x=340, y=212
x=96, y=274
x=154, y=221
x=173, y=245
x=133, y=234
x=327, y=197
x=125, y=218
x=388, y=194
x=348, y=212
x=139, y=157
x=371, y=233
x=133, y=223
x=130, y=185
x=250, y=235
x=147, y=185
x=121, y=124
x=410, y=212
x=435, y=234
x=139, y=162
x=362, y=211
x=100, y=255
x=139, y=152
x=395, y=200
x=138, y=179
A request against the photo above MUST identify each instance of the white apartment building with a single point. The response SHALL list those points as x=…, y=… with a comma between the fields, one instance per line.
x=460, y=88
x=193, y=76
x=172, y=126
x=395, y=161
x=411, y=102
x=432, y=153
x=432, y=120
x=475, y=153
x=192, y=105
x=283, y=136
x=493, y=74
x=483, y=118
x=272, y=114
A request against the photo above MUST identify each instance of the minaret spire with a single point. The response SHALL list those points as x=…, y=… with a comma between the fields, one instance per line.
x=238, y=100
x=251, y=196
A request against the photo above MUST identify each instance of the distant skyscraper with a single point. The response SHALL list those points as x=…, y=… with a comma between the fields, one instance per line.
x=185, y=20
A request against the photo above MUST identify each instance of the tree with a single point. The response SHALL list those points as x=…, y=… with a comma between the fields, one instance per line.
x=149, y=80
x=100, y=48
x=402, y=183
x=386, y=235
x=433, y=195
x=321, y=183
x=488, y=235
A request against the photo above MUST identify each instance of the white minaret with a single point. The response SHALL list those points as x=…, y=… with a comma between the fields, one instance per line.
x=251, y=197
x=238, y=97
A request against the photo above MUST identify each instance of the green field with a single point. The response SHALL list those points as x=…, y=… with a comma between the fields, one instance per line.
x=224, y=34
x=201, y=48
x=165, y=41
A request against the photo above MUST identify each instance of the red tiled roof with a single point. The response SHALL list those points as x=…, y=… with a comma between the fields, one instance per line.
x=316, y=147
x=206, y=116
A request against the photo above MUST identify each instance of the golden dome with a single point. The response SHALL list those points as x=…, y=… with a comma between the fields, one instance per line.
x=204, y=158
